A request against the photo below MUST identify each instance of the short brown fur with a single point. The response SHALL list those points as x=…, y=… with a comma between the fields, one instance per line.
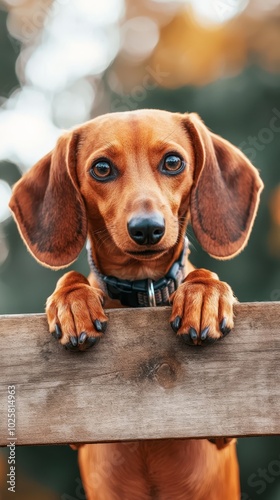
x=57, y=204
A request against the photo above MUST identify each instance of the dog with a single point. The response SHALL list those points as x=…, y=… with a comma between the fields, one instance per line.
x=130, y=183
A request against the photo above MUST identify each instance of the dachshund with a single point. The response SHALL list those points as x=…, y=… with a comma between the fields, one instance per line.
x=130, y=183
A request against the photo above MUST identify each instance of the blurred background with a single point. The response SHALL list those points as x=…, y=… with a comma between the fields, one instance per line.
x=64, y=62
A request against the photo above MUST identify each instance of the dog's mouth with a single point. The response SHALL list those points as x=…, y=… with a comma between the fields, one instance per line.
x=145, y=253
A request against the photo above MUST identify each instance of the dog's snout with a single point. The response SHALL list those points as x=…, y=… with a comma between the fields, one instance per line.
x=146, y=230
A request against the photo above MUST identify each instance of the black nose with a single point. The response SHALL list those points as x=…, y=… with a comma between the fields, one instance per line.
x=146, y=230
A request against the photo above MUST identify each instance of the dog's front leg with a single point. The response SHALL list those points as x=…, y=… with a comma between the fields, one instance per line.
x=75, y=313
x=202, y=309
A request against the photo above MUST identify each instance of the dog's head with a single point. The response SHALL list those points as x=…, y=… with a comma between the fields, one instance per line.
x=137, y=177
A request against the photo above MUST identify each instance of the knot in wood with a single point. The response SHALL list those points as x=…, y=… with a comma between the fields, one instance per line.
x=165, y=375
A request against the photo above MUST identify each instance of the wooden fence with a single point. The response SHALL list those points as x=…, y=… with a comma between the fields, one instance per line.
x=141, y=381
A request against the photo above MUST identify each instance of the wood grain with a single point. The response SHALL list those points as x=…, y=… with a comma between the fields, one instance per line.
x=141, y=382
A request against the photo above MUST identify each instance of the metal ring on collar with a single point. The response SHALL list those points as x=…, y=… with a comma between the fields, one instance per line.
x=151, y=294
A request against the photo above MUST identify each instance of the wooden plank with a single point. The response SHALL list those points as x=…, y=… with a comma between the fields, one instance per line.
x=141, y=382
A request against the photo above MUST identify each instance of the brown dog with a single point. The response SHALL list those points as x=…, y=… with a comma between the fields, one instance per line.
x=131, y=182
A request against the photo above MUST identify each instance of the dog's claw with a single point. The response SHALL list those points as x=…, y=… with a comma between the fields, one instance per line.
x=193, y=333
x=223, y=324
x=82, y=343
x=176, y=323
x=189, y=338
x=57, y=334
x=224, y=328
x=97, y=325
x=204, y=333
x=82, y=337
x=103, y=326
x=100, y=326
x=74, y=341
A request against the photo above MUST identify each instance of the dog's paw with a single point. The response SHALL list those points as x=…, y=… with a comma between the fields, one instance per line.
x=75, y=314
x=202, y=308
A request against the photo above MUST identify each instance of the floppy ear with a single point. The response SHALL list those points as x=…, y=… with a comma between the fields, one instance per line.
x=225, y=194
x=48, y=206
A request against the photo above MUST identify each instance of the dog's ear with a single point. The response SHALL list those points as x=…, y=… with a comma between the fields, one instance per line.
x=225, y=193
x=48, y=207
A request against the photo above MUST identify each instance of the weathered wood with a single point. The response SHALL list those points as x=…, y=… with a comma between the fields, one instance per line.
x=141, y=382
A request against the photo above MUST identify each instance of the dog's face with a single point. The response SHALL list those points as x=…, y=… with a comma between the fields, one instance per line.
x=135, y=176
x=132, y=180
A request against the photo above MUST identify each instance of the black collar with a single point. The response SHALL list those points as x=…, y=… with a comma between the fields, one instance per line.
x=145, y=292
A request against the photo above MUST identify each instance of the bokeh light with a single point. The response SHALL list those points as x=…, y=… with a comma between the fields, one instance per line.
x=139, y=37
x=218, y=11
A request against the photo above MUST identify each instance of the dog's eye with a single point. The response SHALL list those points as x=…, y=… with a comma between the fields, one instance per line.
x=172, y=164
x=101, y=170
